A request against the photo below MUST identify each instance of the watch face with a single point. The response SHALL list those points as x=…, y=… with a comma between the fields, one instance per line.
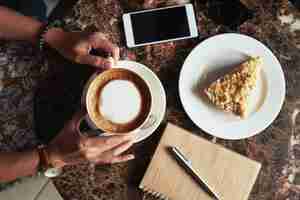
x=53, y=172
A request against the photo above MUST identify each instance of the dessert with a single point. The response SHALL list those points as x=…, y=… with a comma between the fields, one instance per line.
x=231, y=92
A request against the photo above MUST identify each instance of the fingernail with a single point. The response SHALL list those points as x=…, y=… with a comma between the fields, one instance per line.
x=117, y=57
x=109, y=63
x=131, y=156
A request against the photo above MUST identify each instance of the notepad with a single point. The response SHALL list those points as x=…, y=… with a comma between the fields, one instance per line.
x=33, y=188
x=229, y=174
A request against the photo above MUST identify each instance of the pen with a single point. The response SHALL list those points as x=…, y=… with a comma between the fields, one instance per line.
x=187, y=164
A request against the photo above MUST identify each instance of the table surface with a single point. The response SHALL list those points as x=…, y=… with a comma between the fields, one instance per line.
x=277, y=147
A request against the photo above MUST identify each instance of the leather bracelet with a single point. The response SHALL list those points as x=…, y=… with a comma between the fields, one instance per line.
x=45, y=29
x=44, y=163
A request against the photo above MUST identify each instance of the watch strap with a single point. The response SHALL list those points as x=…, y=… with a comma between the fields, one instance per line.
x=44, y=163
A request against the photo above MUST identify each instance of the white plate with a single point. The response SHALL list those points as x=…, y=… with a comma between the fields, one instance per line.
x=220, y=53
x=158, y=95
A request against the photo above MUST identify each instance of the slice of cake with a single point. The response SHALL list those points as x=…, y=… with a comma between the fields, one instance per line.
x=230, y=92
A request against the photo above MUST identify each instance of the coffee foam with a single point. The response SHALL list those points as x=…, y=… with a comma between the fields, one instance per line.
x=120, y=101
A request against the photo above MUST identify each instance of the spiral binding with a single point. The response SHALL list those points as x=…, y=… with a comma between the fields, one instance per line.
x=154, y=194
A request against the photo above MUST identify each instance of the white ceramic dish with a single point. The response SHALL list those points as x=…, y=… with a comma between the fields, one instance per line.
x=158, y=94
x=220, y=53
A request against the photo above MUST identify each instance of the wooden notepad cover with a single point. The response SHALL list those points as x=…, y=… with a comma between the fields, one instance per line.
x=230, y=174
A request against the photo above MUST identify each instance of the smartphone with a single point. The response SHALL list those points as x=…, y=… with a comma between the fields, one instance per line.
x=160, y=25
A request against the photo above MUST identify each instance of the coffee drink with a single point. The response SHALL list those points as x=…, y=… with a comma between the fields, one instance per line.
x=118, y=100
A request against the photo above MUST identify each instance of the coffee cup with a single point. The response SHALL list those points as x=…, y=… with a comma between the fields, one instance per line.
x=119, y=101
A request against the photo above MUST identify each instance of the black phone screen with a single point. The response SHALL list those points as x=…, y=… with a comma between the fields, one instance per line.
x=160, y=25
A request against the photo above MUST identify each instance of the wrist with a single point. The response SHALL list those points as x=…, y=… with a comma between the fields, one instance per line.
x=54, y=36
x=35, y=34
x=46, y=164
x=54, y=158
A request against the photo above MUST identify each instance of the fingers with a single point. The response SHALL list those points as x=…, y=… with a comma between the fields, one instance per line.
x=105, y=143
x=122, y=158
x=107, y=149
x=100, y=42
x=116, y=53
x=96, y=61
x=122, y=148
x=114, y=155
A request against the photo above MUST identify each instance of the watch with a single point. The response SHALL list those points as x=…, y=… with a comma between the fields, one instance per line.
x=45, y=165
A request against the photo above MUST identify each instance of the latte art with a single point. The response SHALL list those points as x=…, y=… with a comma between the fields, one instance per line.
x=120, y=101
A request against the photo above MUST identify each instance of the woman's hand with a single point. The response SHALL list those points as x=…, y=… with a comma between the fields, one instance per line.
x=76, y=46
x=70, y=147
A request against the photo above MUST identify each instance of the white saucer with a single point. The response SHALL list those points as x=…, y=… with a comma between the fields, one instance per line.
x=219, y=53
x=158, y=94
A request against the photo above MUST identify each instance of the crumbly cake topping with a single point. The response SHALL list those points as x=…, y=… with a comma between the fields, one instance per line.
x=231, y=91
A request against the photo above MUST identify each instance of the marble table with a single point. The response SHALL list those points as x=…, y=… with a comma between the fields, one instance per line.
x=275, y=23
